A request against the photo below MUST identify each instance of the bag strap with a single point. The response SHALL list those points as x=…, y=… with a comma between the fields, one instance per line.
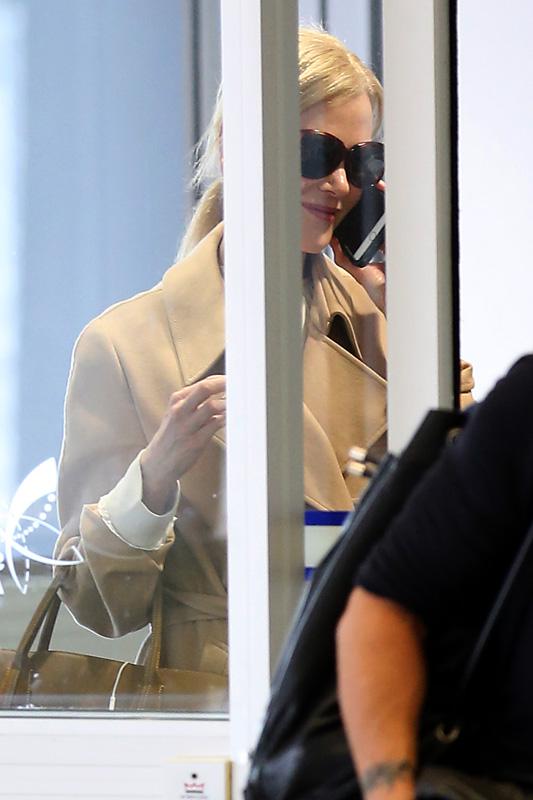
x=448, y=729
x=48, y=605
x=154, y=650
x=11, y=677
x=49, y=623
x=44, y=619
x=510, y=584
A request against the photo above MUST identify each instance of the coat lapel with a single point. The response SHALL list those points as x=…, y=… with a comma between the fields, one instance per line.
x=344, y=386
x=337, y=295
x=193, y=293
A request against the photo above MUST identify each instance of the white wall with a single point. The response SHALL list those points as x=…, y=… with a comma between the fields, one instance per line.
x=496, y=184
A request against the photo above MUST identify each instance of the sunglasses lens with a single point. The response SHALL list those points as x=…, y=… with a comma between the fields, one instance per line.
x=321, y=154
x=365, y=164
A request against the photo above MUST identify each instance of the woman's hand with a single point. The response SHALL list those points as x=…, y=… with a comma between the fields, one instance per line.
x=193, y=415
x=371, y=277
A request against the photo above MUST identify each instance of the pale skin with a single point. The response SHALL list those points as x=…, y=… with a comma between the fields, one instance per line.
x=196, y=412
x=350, y=121
x=193, y=415
x=381, y=683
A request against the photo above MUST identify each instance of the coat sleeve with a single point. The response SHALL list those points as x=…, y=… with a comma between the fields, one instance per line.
x=111, y=590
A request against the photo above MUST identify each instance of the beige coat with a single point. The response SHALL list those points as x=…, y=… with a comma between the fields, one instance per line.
x=126, y=364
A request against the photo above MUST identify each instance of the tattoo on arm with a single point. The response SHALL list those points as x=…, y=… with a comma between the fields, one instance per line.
x=386, y=773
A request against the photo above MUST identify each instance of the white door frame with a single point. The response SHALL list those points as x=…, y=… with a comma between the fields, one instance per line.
x=263, y=332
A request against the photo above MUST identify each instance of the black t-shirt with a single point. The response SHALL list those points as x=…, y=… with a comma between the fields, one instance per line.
x=446, y=555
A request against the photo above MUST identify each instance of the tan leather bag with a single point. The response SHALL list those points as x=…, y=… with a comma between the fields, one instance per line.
x=51, y=679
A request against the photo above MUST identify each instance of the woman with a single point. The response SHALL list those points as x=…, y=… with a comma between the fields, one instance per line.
x=145, y=403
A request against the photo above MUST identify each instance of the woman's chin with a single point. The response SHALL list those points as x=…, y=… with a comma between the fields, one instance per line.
x=314, y=246
x=315, y=238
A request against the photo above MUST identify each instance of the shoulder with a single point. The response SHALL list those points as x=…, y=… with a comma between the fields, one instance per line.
x=520, y=375
x=127, y=318
x=513, y=393
x=138, y=315
x=497, y=443
x=126, y=312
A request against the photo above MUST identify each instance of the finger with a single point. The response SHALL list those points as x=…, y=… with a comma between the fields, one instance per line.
x=214, y=384
x=214, y=425
x=205, y=413
x=202, y=436
x=217, y=383
x=200, y=391
x=381, y=185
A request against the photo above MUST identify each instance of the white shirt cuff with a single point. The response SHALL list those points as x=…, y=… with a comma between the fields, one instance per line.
x=125, y=514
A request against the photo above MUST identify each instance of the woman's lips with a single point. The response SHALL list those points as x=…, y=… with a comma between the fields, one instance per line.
x=325, y=213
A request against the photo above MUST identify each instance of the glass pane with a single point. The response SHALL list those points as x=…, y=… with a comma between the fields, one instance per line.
x=104, y=102
x=495, y=193
x=343, y=234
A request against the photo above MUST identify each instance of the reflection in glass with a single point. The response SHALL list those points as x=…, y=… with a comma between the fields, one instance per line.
x=344, y=358
x=145, y=403
x=102, y=199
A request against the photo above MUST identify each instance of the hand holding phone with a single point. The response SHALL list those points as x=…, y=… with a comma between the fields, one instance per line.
x=356, y=249
x=362, y=231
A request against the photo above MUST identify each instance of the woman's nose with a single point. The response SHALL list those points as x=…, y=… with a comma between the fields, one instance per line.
x=339, y=181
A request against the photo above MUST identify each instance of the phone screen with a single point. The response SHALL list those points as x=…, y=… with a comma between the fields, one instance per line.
x=362, y=232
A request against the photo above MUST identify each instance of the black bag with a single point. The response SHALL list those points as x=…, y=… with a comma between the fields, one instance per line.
x=302, y=751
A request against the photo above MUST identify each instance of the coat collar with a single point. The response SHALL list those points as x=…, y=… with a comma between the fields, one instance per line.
x=193, y=293
x=336, y=294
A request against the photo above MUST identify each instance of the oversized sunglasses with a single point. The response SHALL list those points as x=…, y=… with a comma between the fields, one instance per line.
x=322, y=153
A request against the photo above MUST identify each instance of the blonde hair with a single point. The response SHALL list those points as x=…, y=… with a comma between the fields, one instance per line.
x=327, y=71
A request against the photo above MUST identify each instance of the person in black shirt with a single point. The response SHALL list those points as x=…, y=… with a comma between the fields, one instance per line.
x=434, y=574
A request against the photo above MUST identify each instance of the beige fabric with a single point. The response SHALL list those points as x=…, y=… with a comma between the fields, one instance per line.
x=126, y=364
x=125, y=514
x=467, y=384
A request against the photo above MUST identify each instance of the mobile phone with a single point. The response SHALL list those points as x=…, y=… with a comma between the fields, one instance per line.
x=362, y=232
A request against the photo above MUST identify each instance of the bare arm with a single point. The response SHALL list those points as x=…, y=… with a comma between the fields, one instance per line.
x=381, y=687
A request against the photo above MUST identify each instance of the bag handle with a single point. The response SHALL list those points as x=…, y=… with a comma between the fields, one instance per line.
x=46, y=612
x=46, y=604
x=153, y=658
x=49, y=622
x=44, y=619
